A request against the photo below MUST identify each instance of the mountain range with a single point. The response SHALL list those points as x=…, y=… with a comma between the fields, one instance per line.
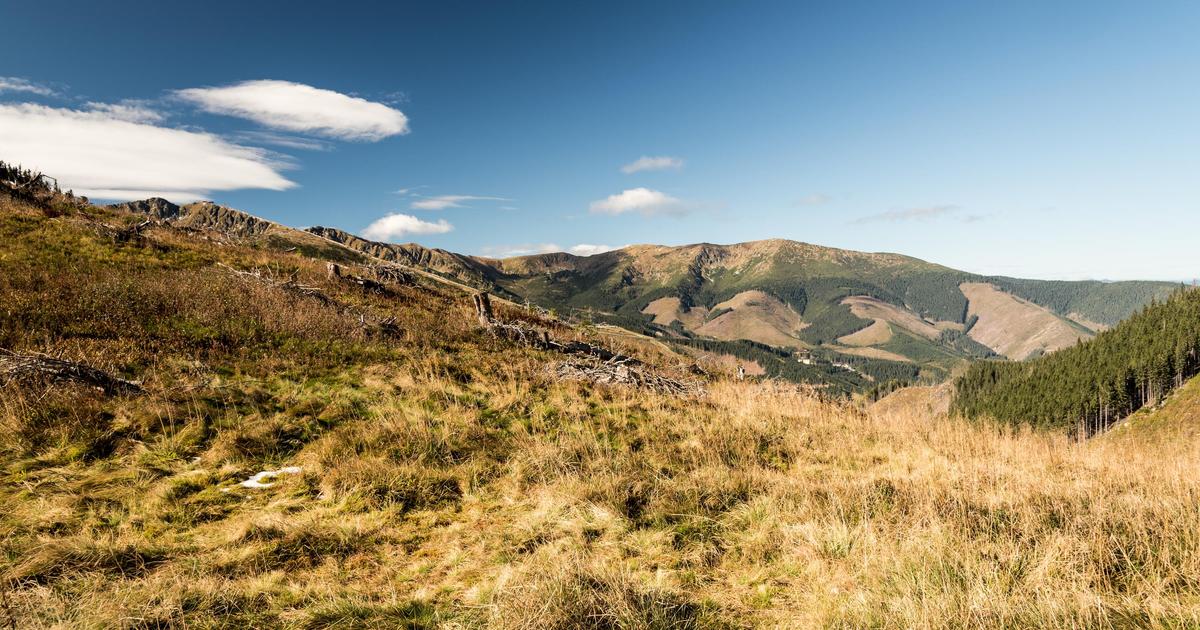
x=786, y=308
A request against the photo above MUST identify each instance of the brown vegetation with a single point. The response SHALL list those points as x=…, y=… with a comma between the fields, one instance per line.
x=448, y=480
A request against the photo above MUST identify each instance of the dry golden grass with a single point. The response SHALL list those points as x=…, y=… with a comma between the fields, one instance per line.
x=447, y=481
x=756, y=506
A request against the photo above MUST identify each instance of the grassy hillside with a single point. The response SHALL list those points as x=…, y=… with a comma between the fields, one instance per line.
x=1175, y=421
x=436, y=476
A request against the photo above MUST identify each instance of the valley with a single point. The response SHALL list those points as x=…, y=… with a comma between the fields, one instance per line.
x=837, y=305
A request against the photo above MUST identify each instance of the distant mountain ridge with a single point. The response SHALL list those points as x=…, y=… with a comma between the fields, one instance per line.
x=920, y=311
x=864, y=310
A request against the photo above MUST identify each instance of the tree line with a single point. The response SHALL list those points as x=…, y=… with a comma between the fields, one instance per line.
x=1094, y=384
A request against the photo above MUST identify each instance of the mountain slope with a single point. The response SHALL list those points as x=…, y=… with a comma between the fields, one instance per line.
x=1173, y=424
x=222, y=220
x=457, y=266
x=1093, y=384
x=834, y=293
x=807, y=297
x=282, y=465
x=1015, y=327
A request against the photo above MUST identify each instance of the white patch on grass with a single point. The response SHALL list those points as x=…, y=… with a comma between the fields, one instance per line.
x=259, y=480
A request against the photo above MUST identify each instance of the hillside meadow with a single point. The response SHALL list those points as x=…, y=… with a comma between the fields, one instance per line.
x=441, y=477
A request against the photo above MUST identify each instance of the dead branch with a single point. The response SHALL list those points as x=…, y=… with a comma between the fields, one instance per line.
x=393, y=274
x=126, y=234
x=335, y=272
x=596, y=363
x=538, y=338
x=25, y=367
x=290, y=285
x=615, y=372
x=386, y=327
x=369, y=326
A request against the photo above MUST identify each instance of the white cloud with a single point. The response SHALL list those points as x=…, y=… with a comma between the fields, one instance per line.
x=908, y=214
x=17, y=84
x=641, y=200
x=301, y=108
x=130, y=111
x=524, y=249
x=647, y=163
x=585, y=249
x=441, y=202
x=396, y=225
x=99, y=155
x=529, y=249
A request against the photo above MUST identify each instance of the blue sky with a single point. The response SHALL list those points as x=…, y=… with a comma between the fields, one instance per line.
x=1021, y=138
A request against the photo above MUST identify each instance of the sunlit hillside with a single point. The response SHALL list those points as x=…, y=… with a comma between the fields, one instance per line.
x=424, y=471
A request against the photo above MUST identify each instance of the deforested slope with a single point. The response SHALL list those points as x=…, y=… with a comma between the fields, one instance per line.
x=1093, y=384
x=1015, y=327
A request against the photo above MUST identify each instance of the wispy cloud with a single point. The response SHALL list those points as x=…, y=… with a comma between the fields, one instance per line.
x=102, y=154
x=301, y=108
x=284, y=140
x=813, y=200
x=648, y=163
x=397, y=225
x=441, y=202
x=641, y=200
x=17, y=84
x=128, y=110
x=925, y=213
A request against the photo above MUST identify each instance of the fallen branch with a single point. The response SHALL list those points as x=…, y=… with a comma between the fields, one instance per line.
x=393, y=274
x=126, y=234
x=621, y=373
x=335, y=272
x=538, y=338
x=26, y=367
x=597, y=364
x=370, y=326
x=290, y=285
x=380, y=328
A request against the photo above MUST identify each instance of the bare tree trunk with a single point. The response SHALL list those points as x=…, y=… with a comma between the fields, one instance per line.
x=483, y=308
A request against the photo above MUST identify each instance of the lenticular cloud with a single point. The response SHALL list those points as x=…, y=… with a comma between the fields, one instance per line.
x=301, y=108
x=105, y=154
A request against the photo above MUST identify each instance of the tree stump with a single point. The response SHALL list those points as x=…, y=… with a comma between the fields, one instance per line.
x=483, y=308
x=333, y=271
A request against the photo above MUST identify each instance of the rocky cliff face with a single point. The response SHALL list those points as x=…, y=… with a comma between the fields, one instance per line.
x=457, y=266
x=210, y=216
x=156, y=207
x=201, y=215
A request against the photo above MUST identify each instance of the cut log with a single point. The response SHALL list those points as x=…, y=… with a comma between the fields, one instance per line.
x=26, y=367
